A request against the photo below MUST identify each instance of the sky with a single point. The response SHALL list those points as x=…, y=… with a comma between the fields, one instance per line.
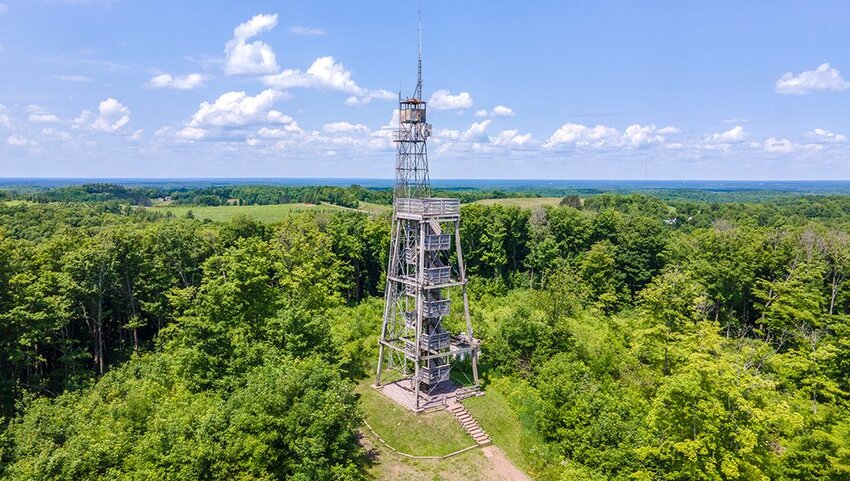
x=678, y=89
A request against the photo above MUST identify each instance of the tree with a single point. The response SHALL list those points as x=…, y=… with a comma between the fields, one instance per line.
x=604, y=281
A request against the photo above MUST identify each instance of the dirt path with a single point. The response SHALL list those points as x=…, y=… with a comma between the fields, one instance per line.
x=500, y=467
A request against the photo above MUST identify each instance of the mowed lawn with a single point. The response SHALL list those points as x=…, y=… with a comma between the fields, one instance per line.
x=428, y=434
x=263, y=213
x=524, y=202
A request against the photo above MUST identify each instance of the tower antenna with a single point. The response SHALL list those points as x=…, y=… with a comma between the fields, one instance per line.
x=418, y=93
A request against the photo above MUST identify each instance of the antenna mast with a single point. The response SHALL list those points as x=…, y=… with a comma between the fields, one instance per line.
x=418, y=93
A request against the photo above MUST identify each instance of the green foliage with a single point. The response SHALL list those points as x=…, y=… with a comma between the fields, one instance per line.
x=638, y=337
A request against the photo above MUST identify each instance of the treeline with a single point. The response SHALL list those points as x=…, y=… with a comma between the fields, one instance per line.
x=94, y=193
x=238, y=195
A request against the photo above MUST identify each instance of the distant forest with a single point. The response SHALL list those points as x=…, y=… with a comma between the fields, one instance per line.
x=637, y=337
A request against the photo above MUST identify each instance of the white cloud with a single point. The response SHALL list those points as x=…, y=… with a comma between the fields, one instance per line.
x=112, y=116
x=345, y=127
x=191, y=133
x=308, y=31
x=825, y=136
x=256, y=58
x=821, y=79
x=180, y=82
x=43, y=118
x=56, y=134
x=444, y=100
x=40, y=116
x=20, y=141
x=502, y=111
x=602, y=136
x=782, y=146
x=669, y=130
x=5, y=120
x=237, y=109
x=512, y=138
x=482, y=113
x=328, y=74
x=73, y=78
x=582, y=136
x=733, y=135
x=234, y=110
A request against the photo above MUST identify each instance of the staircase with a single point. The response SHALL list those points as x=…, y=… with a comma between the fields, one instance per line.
x=469, y=423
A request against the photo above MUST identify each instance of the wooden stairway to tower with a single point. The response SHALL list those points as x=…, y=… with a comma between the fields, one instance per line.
x=469, y=423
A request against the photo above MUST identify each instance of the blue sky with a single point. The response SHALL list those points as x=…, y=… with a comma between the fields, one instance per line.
x=544, y=89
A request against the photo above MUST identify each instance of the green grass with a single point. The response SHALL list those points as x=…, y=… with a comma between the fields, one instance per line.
x=264, y=213
x=14, y=202
x=427, y=434
x=524, y=202
x=504, y=427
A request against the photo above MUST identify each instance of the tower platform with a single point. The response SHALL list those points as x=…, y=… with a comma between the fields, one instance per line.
x=444, y=395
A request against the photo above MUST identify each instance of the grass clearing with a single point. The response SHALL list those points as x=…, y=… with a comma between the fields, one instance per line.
x=263, y=213
x=524, y=202
x=427, y=434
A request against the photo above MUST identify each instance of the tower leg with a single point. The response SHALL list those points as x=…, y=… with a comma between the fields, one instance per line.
x=462, y=269
x=389, y=295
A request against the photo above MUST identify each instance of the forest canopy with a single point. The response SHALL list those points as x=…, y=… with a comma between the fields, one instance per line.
x=638, y=336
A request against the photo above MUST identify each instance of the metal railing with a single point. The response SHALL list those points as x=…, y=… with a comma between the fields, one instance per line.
x=434, y=342
x=438, y=308
x=428, y=206
x=437, y=275
x=441, y=242
x=435, y=375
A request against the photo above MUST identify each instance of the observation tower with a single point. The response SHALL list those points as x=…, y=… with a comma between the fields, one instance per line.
x=421, y=270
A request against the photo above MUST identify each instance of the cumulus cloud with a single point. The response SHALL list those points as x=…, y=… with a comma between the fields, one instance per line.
x=20, y=141
x=502, y=111
x=346, y=127
x=733, y=135
x=782, y=146
x=112, y=116
x=40, y=116
x=5, y=120
x=307, y=31
x=823, y=78
x=327, y=74
x=512, y=138
x=444, y=100
x=235, y=109
x=55, y=134
x=180, y=82
x=825, y=136
x=572, y=135
x=255, y=58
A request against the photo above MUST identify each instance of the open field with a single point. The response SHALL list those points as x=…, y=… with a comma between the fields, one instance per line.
x=264, y=213
x=524, y=202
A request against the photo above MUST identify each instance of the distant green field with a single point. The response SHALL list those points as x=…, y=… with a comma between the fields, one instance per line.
x=525, y=202
x=263, y=213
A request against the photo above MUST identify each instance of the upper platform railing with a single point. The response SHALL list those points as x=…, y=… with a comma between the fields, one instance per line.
x=428, y=207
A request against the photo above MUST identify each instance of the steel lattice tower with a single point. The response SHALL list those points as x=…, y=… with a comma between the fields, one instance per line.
x=420, y=269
